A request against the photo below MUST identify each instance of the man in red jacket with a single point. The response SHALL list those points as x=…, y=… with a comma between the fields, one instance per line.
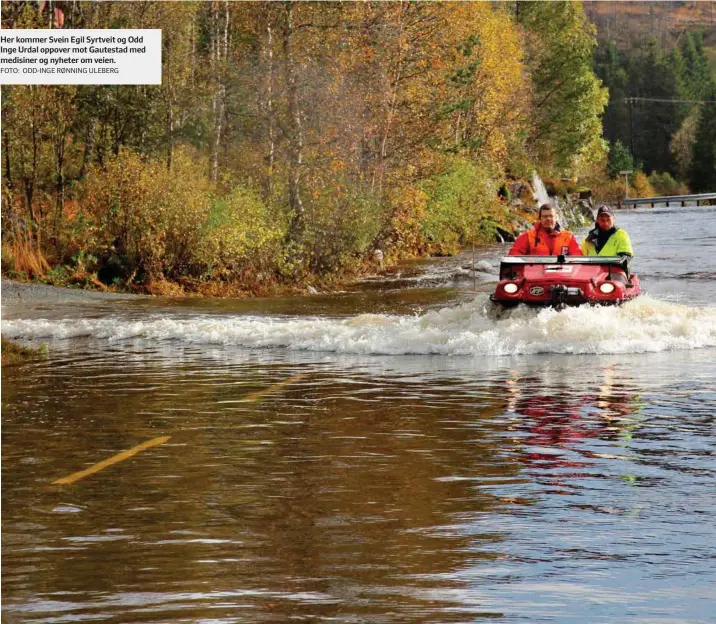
x=547, y=238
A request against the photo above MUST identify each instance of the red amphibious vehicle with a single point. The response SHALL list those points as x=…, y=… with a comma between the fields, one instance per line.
x=561, y=281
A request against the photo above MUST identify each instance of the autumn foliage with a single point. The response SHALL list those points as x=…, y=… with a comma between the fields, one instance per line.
x=291, y=140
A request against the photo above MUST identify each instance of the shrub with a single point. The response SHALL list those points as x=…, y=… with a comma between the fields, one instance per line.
x=664, y=184
x=148, y=215
x=640, y=186
x=554, y=188
x=458, y=201
x=342, y=222
x=609, y=192
x=405, y=235
x=561, y=188
x=240, y=233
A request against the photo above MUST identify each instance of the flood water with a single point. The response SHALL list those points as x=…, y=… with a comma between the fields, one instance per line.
x=401, y=452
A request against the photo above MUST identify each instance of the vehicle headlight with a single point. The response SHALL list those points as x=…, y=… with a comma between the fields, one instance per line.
x=606, y=288
x=511, y=289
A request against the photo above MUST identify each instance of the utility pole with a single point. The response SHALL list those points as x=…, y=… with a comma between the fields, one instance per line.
x=631, y=100
x=631, y=127
x=626, y=182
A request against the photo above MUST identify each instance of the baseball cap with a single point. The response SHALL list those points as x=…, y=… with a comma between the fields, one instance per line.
x=605, y=210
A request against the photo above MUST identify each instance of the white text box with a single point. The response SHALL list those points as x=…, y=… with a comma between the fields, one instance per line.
x=81, y=56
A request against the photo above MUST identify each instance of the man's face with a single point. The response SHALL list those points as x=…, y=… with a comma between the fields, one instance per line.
x=605, y=221
x=547, y=220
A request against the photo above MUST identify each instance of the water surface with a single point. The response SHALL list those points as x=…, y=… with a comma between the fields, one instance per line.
x=401, y=452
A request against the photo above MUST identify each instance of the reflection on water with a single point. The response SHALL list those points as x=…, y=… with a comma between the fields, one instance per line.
x=376, y=456
x=371, y=489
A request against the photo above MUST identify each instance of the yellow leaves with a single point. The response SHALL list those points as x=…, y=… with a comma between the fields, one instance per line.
x=641, y=187
x=485, y=54
x=146, y=210
x=409, y=207
x=240, y=230
x=167, y=224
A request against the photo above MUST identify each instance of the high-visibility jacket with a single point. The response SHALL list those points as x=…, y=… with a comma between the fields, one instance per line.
x=537, y=242
x=618, y=243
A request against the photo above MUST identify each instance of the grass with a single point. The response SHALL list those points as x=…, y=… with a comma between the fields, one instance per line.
x=14, y=353
x=21, y=259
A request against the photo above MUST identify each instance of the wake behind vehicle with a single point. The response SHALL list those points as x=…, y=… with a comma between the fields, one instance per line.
x=561, y=281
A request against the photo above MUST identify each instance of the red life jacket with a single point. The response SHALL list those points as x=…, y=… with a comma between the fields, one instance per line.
x=553, y=244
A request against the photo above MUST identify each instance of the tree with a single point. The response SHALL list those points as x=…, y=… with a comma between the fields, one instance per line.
x=218, y=62
x=619, y=159
x=677, y=67
x=610, y=67
x=682, y=144
x=654, y=121
x=568, y=98
x=485, y=102
x=703, y=163
x=696, y=66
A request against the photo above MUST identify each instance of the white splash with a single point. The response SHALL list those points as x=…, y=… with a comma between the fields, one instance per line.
x=473, y=328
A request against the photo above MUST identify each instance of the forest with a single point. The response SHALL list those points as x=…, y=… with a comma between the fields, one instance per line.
x=661, y=117
x=290, y=141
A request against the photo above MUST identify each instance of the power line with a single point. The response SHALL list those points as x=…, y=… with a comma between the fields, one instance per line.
x=632, y=100
x=642, y=99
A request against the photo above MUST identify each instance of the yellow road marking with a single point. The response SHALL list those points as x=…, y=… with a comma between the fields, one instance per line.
x=112, y=460
x=255, y=396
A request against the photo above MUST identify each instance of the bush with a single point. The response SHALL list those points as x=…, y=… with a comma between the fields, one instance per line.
x=554, y=188
x=640, y=186
x=241, y=233
x=561, y=188
x=151, y=224
x=147, y=215
x=342, y=222
x=664, y=184
x=609, y=192
x=405, y=236
x=458, y=201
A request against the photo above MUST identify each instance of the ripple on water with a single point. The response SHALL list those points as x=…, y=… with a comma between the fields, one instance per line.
x=570, y=478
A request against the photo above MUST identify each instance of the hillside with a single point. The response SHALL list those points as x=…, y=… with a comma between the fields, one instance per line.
x=628, y=23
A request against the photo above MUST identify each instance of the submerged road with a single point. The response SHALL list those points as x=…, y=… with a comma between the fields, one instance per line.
x=401, y=452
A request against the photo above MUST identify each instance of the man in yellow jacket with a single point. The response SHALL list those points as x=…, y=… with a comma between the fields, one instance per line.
x=606, y=239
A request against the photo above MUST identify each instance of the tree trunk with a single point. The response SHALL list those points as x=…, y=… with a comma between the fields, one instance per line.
x=170, y=129
x=295, y=129
x=9, y=198
x=60, y=182
x=29, y=179
x=89, y=147
x=220, y=48
x=270, y=121
x=392, y=97
x=8, y=171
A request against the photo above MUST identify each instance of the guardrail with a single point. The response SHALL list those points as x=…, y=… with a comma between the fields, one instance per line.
x=669, y=199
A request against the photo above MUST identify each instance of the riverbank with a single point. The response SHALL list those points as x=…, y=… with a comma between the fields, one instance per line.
x=15, y=291
x=89, y=271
